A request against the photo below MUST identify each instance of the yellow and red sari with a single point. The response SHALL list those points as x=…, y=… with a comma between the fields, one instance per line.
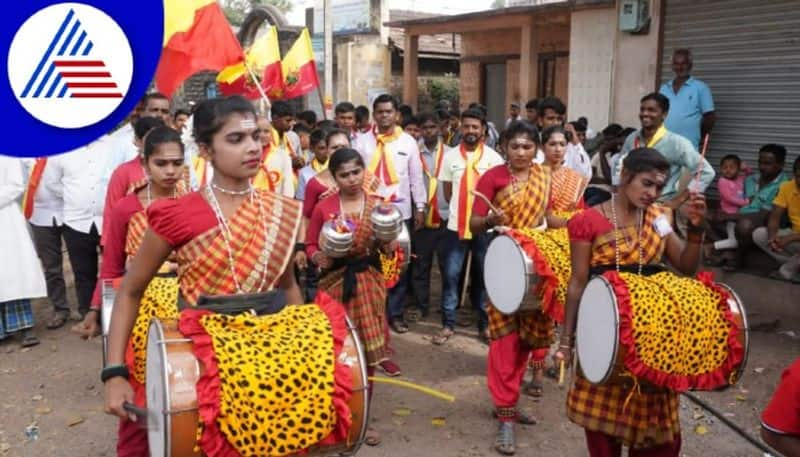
x=524, y=204
x=293, y=353
x=566, y=199
x=642, y=411
x=357, y=281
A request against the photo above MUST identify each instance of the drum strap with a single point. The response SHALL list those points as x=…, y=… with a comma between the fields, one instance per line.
x=351, y=267
x=261, y=304
x=647, y=270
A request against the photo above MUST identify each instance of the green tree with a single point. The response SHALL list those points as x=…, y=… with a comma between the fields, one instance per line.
x=497, y=4
x=236, y=10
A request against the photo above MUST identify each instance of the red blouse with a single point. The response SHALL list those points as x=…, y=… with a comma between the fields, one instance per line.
x=115, y=233
x=782, y=414
x=178, y=221
x=314, y=189
x=118, y=185
x=588, y=225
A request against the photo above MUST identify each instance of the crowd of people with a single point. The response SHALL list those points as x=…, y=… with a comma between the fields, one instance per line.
x=224, y=200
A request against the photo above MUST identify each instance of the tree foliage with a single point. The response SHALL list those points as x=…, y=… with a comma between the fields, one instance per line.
x=236, y=10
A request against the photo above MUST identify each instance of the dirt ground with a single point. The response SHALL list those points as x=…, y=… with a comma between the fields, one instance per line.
x=55, y=388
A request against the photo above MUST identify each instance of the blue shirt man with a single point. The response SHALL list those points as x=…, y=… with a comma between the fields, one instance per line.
x=691, y=112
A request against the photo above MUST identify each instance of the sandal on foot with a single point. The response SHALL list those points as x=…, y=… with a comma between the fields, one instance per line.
x=442, y=337
x=504, y=440
x=399, y=327
x=372, y=437
x=526, y=419
x=29, y=339
x=58, y=320
x=533, y=388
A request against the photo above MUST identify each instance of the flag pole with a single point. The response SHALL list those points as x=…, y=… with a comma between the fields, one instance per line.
x=264, y=97
x=322, y=103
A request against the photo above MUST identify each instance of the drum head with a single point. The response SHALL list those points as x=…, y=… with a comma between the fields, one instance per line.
x=155, y=385
x=597, y=332
x=505, y=274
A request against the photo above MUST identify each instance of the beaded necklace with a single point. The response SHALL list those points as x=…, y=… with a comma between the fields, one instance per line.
x=227, y=236
x=617, y=239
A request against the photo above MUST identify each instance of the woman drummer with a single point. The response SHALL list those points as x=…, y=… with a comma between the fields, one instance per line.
x=162, y=159
x=358, y=280
x=566, y=198
x=628, y=232
x=230, y=238
x=518, y=191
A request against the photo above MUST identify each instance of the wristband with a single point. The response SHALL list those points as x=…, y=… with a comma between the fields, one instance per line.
x=113, y=371
x=299, y=247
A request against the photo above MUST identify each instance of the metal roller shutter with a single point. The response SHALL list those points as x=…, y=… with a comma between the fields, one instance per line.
x=748, y=52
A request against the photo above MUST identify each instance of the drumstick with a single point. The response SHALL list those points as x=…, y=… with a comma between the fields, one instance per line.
x=410, y=385
x=140, y=413
x=561, y=373
x=486, y=200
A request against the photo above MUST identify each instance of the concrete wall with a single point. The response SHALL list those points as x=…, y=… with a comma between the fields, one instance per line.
x=363, y=67
x=635, y=66
x=591, y=60
x=488, y=46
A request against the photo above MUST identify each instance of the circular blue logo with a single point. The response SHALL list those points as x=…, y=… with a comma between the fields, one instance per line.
x=75, y=70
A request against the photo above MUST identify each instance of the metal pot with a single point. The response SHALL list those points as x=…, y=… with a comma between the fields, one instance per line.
x=387, y=222
x=404, y=242
x=334, y=243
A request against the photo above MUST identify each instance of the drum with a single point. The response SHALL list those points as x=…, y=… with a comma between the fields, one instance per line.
x=173, y=371
x=509, y=276
x=599, y=351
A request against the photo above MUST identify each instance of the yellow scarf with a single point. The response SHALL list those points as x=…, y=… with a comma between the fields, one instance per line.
x=200, y=167
x=433, y=218
x=656, y=138
x=382, y=163
x=267, y=179
x=468, y=182
x=317, y=166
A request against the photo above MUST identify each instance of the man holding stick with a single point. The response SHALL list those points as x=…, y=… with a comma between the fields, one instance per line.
x=463, y=166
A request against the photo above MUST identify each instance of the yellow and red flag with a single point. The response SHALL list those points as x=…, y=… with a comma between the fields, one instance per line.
x=264, y=58
x=299, y=69
x=196, y=37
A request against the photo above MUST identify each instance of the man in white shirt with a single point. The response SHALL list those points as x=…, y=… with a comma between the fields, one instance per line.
x=475, y=158
x=393, y=156
x=45, y=212
x=552, y=112
x=80, y=179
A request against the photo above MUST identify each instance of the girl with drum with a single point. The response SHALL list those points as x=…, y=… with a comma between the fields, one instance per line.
x=628, y=233
x=230, y=239
x=162, y=160
x=512, y=197
x=566, y=198
x=355, y=279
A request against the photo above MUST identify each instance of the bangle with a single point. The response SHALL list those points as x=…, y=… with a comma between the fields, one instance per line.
x=113, y=371
x=299, y=247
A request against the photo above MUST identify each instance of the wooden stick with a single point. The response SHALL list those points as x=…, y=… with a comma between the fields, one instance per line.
x=322, y=104
x=486, y=200
x=260, y=90
x=561, y=373
x=467, y=276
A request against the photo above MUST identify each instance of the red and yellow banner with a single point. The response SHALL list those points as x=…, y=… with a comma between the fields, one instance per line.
x=264, y=59
x=197, y=37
